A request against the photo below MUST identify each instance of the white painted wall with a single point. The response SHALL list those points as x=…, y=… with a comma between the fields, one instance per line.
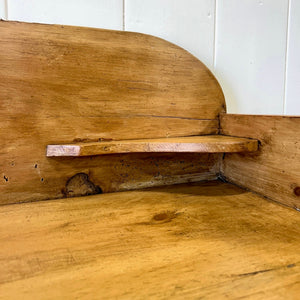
x=3, y=10
x=189, y=26
x=250, y=54
x=90, y=13
x=292, y=103
x=252, y=46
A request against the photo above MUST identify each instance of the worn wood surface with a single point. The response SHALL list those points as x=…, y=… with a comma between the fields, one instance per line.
x=274, y=170
x=202, y=144
x=210, y=240
x=49, y=179
x=61, y=84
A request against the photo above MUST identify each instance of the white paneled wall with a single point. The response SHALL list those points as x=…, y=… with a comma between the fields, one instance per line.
x=189, y=24
x=252, y=46
x=91, y=13
x=250, y=54
x=3, y=10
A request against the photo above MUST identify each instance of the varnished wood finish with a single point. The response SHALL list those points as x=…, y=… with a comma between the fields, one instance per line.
x=49, y=177
x=274, y=170
x=210, y=241
x=202, y=144
x=60, y=85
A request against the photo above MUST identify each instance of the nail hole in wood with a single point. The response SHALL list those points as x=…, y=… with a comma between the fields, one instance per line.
x=297, y=191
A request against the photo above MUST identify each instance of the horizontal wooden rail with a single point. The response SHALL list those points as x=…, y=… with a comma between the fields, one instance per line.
x=202, y=144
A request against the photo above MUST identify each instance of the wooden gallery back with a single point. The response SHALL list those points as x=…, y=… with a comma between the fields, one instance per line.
x=205, y=204
x=66, y=84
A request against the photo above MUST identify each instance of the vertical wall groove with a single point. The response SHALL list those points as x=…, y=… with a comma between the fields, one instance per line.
x=286, y=56
x=215, y=35
x=6, y=9
x=124, y=15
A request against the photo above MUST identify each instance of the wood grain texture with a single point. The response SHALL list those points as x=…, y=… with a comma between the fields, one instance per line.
x=61, y=85
x=211, y=241
x=43, y=178
x=274, y=170
x=85, y=72
x=200, y=144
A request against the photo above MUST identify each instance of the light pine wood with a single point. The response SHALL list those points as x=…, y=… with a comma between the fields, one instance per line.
x=210, y=241
x=61, y=85
x=48, y=178
x=274, y=170
x=202, y=144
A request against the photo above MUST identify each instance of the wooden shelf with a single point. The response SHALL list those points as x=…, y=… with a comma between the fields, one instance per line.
x=205, y=144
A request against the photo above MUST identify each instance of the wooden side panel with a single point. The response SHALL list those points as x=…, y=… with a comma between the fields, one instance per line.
x=273, y=171
x=61, y=85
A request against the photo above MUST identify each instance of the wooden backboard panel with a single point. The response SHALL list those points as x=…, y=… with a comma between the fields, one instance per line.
x=274, y=170
x=61, y=84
